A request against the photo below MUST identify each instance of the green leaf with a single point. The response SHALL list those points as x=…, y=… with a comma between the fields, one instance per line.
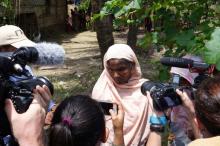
x=163, y=73
x=154, y=37
x=212, y=53
x=196, y=15
x=185, y=38
x=3, y=4
x=146, y=41
x=218, y=65
x=135, y=4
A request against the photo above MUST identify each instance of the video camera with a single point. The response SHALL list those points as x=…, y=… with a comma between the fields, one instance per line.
x=17, y=83
x=164, y=94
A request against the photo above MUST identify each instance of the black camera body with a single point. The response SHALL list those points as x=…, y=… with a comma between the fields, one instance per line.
x=163, y=94
x=21, y=91
x=16, y=83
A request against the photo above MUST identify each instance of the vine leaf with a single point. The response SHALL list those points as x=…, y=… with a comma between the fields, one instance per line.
x=212, y=52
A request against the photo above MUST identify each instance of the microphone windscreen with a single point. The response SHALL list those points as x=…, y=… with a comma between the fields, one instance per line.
x=50, y=54
x=176, y=62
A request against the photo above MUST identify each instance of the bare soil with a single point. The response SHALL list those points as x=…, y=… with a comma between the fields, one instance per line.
x=82, y=65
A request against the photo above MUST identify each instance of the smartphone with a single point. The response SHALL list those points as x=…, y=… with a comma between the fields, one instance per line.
x=106, y=106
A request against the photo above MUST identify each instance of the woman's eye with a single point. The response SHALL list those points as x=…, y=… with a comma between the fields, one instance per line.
x=122, y=69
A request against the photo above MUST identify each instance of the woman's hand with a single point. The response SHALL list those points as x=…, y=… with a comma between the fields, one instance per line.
x=118, y=122
x=118, y=118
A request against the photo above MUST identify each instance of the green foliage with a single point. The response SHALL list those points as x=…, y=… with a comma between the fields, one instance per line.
x=212, y=53
x=181, y=26
x=84, y=5
x=6, y=12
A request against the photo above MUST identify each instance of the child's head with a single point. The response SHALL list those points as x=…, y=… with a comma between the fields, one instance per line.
x=78, y=120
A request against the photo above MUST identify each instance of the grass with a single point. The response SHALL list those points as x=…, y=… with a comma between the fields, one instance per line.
x=72, y=83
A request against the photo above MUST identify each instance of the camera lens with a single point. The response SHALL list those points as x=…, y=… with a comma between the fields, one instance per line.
x=47, y=83
x=147, y=86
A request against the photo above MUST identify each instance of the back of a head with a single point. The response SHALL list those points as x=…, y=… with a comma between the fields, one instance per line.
x=77, y=121
x=207, y=105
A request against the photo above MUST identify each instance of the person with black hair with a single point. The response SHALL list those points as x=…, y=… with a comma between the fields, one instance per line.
x=79, y=120
x=203, y=114
x=205, y=111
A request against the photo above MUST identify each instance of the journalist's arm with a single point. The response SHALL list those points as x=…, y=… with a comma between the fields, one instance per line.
x=155, y=136
x=28, y=127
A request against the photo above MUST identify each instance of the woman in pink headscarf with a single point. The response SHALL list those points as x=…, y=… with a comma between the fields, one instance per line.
x=120, y=82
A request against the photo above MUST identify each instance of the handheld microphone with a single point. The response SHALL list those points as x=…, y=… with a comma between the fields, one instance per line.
x=183, y=63
x=41, y=54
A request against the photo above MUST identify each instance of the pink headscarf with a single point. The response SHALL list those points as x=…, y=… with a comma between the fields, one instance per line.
x=137, y=107
x=184, y=72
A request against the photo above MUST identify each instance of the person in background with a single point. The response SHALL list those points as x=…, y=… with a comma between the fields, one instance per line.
x=68, y=24
x=203, y=115
x=120, y=83
x=12, y=38
x=75, y=19
x=180, y=126
x=205, y=112
x=79, y=120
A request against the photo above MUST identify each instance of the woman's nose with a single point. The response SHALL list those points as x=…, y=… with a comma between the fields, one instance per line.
x=115, y=74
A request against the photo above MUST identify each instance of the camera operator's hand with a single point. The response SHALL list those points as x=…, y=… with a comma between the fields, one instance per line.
x=187, y=102
x=28, y=127
x=118, y=121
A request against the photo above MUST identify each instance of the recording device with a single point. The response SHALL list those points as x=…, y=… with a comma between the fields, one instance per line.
x=17, y=81
x=185, y=63
x=164, y=94
x=106, y=106
x=41, y=54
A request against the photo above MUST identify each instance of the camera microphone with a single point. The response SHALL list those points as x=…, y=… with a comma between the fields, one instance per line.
x=183, y=63
x=49, y=54
x=40, y=54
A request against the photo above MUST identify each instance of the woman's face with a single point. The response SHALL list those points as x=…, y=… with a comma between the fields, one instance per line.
x=120, y=70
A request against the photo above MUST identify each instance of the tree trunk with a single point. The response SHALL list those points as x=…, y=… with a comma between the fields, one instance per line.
x=132, y=36
x=104, y=28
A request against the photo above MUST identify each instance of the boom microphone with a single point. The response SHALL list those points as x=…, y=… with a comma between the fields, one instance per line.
x=50, y=54
x=41, y=54
x=183, y=63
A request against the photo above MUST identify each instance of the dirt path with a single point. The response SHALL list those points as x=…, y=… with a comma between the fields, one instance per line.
x=82, y=63
x=82, y=51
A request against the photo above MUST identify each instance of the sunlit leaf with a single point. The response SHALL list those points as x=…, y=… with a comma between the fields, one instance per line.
x=212, y=53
